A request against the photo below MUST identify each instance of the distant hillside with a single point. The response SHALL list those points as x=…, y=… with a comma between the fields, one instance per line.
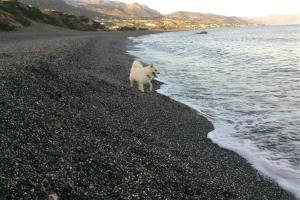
x=117, y=9
x=120, y=10
x=206, y=18
x=107, y=3
x=116, y=15
x=279, y=19
x=62, y=6
x=15, y=15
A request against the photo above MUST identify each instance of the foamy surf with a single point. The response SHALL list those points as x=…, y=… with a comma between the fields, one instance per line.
x=246, y=81
x=283, y=174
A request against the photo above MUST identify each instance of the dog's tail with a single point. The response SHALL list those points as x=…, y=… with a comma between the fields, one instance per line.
x=137, y=64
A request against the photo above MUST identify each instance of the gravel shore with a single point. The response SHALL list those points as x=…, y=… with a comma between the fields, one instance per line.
x=71, y=125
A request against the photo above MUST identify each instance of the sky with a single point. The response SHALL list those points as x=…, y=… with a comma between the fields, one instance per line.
x=240, y=8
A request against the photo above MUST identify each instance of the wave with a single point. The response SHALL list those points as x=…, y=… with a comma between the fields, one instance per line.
x=247, y=88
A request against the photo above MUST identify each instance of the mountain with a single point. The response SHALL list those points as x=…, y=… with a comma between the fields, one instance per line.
x=117, y=9
x=121, y=10
x=15, y=16
x=107, y=3
x=279, y=19
x=62, y=6
x=206, y=18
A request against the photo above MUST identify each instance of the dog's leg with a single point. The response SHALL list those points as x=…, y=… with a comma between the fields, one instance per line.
x=131, y=83
x=151, y=86
x=131, y=80
x=141, y=87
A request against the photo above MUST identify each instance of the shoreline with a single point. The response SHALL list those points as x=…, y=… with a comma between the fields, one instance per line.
x=285, y=177
x=72, y=125
x=258, y=163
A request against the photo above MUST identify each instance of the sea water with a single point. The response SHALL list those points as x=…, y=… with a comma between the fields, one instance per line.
x=246, y=81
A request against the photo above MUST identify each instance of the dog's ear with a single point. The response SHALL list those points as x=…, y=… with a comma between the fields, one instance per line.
x=151, y=65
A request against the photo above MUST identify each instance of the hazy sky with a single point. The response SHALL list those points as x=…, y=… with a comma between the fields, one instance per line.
x=243, y=8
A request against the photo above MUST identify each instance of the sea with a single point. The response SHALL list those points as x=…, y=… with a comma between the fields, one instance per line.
x=246, y=81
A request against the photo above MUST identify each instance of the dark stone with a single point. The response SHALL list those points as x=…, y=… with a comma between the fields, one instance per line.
x=202, y=32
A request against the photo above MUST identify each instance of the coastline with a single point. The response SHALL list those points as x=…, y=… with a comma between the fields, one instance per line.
x=72, y=125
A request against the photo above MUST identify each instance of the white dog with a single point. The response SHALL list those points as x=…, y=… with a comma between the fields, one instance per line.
x=142, y=75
